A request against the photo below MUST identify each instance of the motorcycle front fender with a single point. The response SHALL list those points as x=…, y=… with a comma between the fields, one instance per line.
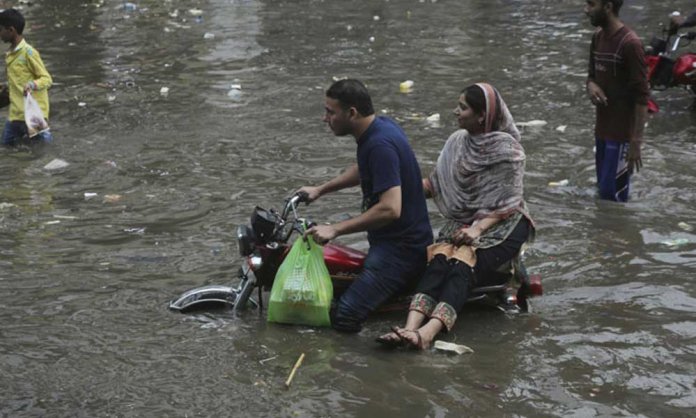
x=205, y=297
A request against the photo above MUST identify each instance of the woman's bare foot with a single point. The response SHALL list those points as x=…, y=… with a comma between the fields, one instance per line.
x=413, y=338
x=391, y=339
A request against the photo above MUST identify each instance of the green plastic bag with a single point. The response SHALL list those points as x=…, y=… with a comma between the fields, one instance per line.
x=302, y=290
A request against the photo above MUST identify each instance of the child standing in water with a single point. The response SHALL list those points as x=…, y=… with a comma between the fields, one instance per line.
x=25, y=73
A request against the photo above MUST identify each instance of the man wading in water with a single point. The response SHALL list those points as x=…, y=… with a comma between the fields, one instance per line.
x=617, y=85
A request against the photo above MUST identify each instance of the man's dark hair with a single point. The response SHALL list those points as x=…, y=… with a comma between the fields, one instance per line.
x=351, y=93
x=12, y=18
x=615, y=5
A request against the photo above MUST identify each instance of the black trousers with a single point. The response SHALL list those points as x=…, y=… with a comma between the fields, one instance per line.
x=451, y=281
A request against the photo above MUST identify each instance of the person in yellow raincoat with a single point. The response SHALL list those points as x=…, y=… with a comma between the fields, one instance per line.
x=25, y=73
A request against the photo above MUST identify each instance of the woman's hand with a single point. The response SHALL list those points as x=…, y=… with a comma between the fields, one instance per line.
x=466, y=235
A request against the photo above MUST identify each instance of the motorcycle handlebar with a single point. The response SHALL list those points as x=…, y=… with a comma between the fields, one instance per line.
x=292, y=202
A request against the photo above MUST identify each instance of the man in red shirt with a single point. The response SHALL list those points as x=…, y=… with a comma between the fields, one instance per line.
x=617, y=85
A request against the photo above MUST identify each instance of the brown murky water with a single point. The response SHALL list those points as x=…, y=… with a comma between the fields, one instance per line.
x=85, y=281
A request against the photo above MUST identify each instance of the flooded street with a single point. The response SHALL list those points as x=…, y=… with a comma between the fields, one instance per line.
x=156, y=183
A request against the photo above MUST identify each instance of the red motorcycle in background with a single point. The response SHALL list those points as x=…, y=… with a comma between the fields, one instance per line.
x=264, y=244
x=667, y=66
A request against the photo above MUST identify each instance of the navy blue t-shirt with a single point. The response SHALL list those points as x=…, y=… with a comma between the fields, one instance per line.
x=386, y=160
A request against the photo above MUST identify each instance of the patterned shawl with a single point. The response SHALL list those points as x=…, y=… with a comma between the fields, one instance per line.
x=481, y=175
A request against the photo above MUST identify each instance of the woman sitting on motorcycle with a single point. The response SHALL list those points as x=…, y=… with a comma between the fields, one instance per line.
x=477, y=185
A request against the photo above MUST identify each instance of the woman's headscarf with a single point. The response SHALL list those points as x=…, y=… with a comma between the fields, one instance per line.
x=481, y=175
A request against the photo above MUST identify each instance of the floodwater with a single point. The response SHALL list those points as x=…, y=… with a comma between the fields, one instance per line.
x=91, y=254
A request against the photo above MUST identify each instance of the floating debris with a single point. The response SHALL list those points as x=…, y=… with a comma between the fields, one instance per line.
x=560, y=183
x=685, y=226
x=452, y=347
x=56, y=164
x=562, y=128
x=406, y=86
x=675, y=242
x=235, y=92
x=112, y=198
x=532, y=123
x=130, y=7
x=435, y=117
x=294, y=370
x=164, y=91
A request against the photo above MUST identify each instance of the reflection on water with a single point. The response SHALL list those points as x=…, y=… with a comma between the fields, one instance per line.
x=86, y=279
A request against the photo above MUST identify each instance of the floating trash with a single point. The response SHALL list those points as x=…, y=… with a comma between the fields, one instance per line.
x=435, y=117
x=112, y=198
x=559, y=183
x=685, y=226
x=452, y=348
x=195, y=12
x=56, y=164
x=130, y=7
x=562, y=128
x=90, y=195
x=164, y=91
x=406, y=86
x=372, y=39
x=532, y=123
x=675, y=242
x=208, y=35
x=235, y=92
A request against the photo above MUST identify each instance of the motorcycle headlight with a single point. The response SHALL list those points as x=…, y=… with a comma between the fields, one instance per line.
x=245, y=240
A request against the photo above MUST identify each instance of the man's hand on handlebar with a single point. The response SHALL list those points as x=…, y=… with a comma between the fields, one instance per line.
x=312, y=193
x=674, y=23
x=322, y=233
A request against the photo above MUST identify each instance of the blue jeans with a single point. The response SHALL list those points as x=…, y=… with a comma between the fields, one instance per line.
x=389, y=269
x=16, y=130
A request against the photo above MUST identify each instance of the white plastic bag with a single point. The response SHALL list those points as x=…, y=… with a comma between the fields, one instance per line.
x=36, y=123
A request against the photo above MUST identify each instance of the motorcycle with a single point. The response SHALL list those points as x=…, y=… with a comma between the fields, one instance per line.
x=666, y=68
x=264, y=244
